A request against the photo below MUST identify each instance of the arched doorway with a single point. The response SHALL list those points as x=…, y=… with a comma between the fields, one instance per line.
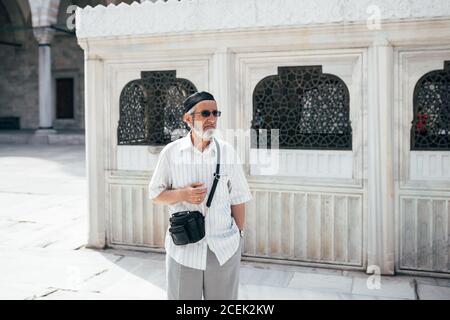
x=18, y=60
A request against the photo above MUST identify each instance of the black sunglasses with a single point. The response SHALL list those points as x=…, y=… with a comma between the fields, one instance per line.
x=207, y=113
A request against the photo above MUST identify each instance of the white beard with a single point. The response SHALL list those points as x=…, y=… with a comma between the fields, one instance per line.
x=209, y=134
x=205, y=135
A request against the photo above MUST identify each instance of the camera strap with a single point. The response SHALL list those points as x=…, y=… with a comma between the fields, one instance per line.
x=216, y=176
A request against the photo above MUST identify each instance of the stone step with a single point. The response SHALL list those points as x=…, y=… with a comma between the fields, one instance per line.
x=45, y=137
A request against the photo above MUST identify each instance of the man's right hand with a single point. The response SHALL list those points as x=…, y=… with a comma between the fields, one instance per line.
x=194, y=194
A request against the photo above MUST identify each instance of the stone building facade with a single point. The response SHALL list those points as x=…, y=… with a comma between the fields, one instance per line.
x=34, y=29
x=379, y=201
x=374, y=196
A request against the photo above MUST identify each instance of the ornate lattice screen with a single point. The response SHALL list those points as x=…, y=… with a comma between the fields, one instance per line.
x=431, y=124
x=310, y=109
x=151, y=109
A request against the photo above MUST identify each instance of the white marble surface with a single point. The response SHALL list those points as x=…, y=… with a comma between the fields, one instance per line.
x=320, y=282
x=43, y=227
x=389, y=288
x=204, y=15
x=258, y=292
x=265, y=277
x=429, y=292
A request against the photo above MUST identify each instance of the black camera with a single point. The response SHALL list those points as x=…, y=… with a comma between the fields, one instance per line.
x=187, y=227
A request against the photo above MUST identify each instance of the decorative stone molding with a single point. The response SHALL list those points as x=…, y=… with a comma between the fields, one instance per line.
x=209, y=15
x=430, y=165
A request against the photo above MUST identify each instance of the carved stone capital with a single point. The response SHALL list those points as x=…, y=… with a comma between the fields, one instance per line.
x=44, y=35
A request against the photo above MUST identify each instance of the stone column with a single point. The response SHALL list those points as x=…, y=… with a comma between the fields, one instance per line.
x=221, y=87
x=225, y=93
x=96, y=144
x=381, y=240
x=44, y=36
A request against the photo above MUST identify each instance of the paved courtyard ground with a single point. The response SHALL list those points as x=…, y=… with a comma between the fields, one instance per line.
x=43, y=231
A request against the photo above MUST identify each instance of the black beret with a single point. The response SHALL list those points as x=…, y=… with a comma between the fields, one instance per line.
x=195, y=98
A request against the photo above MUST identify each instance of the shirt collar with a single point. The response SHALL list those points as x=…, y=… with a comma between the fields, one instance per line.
x=186, y=143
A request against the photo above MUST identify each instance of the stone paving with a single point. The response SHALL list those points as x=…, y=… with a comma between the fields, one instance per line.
x=43, y=231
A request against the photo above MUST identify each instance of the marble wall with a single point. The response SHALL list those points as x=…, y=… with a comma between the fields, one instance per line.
x=364, y=216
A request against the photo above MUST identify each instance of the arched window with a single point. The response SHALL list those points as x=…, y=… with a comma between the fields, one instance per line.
x=310, y=109
x=151, y=109
x=431, y=124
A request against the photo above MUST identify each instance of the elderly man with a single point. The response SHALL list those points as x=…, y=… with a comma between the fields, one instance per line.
x=183, y=179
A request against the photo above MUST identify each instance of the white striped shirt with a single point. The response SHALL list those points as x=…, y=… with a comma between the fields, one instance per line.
x=181, y=164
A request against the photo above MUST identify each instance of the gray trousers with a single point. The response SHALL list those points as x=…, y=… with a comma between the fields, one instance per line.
x=215, y=283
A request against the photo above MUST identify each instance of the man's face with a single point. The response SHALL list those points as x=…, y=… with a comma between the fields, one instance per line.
x=203, y=127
